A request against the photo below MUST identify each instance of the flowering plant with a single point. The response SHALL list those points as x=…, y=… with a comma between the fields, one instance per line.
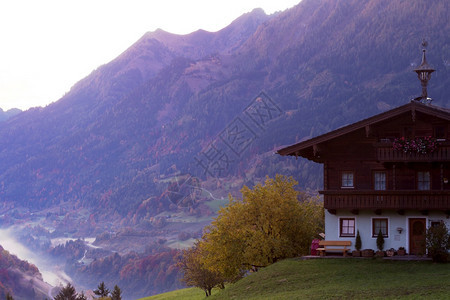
x=421, y=145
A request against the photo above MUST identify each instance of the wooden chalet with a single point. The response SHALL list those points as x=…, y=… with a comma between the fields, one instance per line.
x=387, y=173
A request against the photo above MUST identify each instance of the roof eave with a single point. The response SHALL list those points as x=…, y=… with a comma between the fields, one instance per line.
x=412, y=106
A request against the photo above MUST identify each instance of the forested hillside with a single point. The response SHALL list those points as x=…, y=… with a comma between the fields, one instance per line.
x=20, y=278
x=158, y=105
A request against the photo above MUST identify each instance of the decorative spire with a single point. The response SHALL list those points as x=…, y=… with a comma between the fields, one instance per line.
x=424, y=74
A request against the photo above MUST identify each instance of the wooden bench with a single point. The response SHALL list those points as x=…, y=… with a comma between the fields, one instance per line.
x=325, y=246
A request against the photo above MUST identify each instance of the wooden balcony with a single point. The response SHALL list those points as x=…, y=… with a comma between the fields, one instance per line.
x=396, y=200
x=386, y=153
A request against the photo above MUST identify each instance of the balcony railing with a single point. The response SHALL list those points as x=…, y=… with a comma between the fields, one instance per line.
x=398, y=200
x=386, y=153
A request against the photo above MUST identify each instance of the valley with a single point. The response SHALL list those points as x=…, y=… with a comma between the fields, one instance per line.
x=53, y=240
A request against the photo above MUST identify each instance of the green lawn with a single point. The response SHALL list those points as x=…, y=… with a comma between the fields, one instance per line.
x=335, y=279
x=215, y=205
x=185, y=294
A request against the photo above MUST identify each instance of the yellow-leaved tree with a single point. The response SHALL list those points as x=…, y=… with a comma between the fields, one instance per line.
x=272, y=222
x=195, y=272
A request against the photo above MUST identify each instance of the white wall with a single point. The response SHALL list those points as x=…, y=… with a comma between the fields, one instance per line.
x=363, y=223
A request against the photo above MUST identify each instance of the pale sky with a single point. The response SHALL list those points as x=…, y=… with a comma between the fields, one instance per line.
x=46, y=46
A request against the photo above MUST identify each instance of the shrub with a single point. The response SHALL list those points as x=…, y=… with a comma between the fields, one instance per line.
x=438, y=242
x=358, y=244
x=380, y=241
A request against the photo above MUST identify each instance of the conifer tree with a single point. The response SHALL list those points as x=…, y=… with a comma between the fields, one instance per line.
x=380, y=241
x=358, y=243
x=116, y=293
x=67, y=293
x=81, y=296
x=101, y=290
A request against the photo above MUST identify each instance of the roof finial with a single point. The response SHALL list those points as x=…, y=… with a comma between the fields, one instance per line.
x=424, y=74
x=424, y=43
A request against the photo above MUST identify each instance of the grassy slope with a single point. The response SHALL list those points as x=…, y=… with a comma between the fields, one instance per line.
x=335, y=279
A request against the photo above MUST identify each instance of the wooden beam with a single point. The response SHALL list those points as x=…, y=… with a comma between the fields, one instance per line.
x=332, y=211
x=393, y=177
x=367, y=127
x=378, y=212
x=315, y=150
x=355, y=211
x=401, y=212
x=424, y=212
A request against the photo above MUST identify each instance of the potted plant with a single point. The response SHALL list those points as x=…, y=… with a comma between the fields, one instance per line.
x=390, y=252
x=380, y=245
x=419, y=145
x=367, y=253
x=401, y=251
x=357, y=252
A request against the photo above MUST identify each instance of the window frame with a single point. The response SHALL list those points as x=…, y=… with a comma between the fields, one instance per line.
x=341, y=233
x=375, y=232
x=374, y=182
x=420, y=181
x=435, y=223
x=352, y=180
x=439, y=131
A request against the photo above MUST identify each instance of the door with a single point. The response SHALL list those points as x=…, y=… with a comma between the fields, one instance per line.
x=417, y=236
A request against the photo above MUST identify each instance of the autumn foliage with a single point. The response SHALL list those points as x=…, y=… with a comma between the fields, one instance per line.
x=272, y=222
x=195, y=271
x=14, y=277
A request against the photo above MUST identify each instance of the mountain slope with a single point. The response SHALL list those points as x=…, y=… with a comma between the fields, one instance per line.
x=5, y=115
x=20, y=279
x=53, y=135
x=325, y=63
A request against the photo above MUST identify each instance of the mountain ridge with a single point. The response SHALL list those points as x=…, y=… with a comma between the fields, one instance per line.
x=169, y=92
x=5, y=115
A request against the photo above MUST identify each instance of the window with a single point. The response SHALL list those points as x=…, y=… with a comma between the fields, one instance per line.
x=436, y=223
x=423, y=181
x=347, y=227
x=439, y=132
x=347, y=179
x=379, y=181
x=379, y=224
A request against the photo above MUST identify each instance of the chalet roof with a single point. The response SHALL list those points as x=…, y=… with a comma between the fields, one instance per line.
x=413, y=107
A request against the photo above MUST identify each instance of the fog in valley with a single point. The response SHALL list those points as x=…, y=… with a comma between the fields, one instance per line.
x=51, y=272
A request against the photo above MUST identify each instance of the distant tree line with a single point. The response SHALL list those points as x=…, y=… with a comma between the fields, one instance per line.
x=69, y=293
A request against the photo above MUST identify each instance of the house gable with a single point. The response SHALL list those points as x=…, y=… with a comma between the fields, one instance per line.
x=422, y=119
